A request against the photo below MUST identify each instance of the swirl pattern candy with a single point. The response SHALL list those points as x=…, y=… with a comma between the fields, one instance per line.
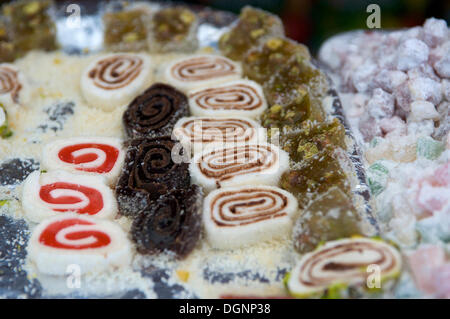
x=92, y=244
x=240, y=216
x=233, y=166
x=149, y=172
x=65, y=197
x=155, y=112
x=200, y=132
x=200, y=70
x=95, y=155
x=235, y=98
x=116, y=72
x=342, y=261
x=113, y=80
x=59, y=192
x=172, y=222
x=73, y=234
x=9, y=82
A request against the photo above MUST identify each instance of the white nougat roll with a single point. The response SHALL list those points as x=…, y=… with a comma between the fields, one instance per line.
x=59, y=192
x=200, y=70
x=240, y=216
x=59, y=244
x=90, y=155
x=346, y=262
x=235, y=98
x=113, y=80
x=199, y=133
x=233, y=166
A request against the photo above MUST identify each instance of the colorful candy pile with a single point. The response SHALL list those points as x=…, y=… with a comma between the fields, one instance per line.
x=395, y=88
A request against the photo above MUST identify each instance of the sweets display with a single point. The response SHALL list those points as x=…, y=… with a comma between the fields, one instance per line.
x=160, y=167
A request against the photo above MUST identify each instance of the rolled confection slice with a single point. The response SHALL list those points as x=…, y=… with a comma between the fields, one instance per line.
x=198, y=133
x=172, y=222
x=241, y=216
x=200, y=70
x=233, y=166
x=58, y=192
x=155, y=112
x=90, y=155
x=91, y=244
x=151, y=169
x=113, y=80
x=12, y=87
x=343, y=263
x=234, y=98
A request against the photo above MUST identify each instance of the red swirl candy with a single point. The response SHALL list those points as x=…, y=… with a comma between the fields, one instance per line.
x=112, y=153
x=95, y=198
x=50, y=234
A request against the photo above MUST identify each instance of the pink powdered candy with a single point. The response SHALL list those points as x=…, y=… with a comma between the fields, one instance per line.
x=424, y=264
x=434, y=191
x=395, y=69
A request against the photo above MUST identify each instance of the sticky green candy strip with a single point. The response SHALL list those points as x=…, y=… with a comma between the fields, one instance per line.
x=5, y=132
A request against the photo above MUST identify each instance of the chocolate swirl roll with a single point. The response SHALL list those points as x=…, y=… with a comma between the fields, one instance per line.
x=200, y=132
x=173, y=223
x=241, y=97
x=244, y=164
x=200, y=70
x=116, y=71
x=9, y=82
x=239, y=216
x=148, y=173
x=344, y=261
x=155, y=112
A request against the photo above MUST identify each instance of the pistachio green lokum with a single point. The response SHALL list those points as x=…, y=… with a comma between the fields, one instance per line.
x=173, y=29
x=252, y=27
x=126, y=30
x=261, y=62
x=31, y=25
